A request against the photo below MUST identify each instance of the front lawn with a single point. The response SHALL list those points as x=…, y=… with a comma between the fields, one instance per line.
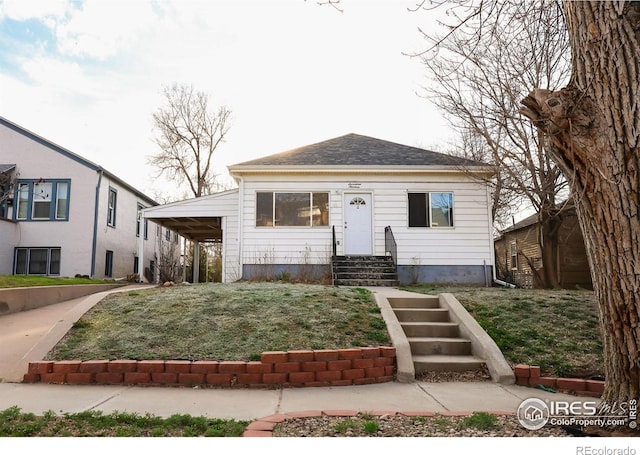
x=18, y=281
x=555, y=329
x=235, y=321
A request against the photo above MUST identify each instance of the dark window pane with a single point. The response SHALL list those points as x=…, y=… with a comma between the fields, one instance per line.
x=21, y=261
x=320, y=209
x=418, y=210
x=264, y=209
x=54, y=264
x=293, y=209
x=38, y=261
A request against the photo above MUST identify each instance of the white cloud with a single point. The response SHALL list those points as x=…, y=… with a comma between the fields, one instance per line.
x=293, y=73
x=100, y=29
x=44, y=10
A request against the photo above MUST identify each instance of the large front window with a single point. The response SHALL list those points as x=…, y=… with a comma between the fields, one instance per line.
x=302, y=209
x=37, y=261
x=42, y=200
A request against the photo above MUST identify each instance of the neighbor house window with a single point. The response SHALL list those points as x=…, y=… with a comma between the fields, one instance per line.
x=430, y=209
x=111, y=207
x=37, y=261
x=43, y=200
x=514, y=255
x=304, y=209
x=108, y=264
x=146, y=223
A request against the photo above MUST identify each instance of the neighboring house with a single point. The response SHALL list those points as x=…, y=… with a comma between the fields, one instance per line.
x=295, y=212
x=519, y=258
x=63, y=215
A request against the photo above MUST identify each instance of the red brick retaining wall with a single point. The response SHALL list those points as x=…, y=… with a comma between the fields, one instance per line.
x=527, y=375
x=290, y=369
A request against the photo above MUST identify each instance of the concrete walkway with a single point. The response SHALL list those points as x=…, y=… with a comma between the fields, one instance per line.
x=29, y=335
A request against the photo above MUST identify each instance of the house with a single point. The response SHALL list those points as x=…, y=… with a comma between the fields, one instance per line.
x=62, y=215
x=519, y=256
x=298, y=214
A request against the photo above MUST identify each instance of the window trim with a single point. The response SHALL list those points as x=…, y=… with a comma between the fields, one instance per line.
x=429, y=215
x=28, y=250
x=311, y=225
x=29, y=202
x=112, y=211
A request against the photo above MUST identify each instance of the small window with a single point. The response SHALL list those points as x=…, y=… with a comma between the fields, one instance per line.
x=37, y=261
x=514, y=255
x=167, y=235
x=111, y=208
x=430, y=209
x=108, y=264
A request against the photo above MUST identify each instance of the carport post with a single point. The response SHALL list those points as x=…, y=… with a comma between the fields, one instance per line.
x=196, y=262
x=140, y=246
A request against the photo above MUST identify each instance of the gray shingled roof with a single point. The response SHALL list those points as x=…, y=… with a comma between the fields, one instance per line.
x=357, y=150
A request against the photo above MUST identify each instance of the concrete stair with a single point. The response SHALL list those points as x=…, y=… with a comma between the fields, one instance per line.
x=435, y=341
x=364, y=271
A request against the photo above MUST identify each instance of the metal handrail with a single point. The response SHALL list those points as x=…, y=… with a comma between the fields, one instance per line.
x=333, y=238
x=390, y=245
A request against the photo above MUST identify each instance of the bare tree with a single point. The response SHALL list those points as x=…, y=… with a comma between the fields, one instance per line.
x=480, y=77
x=188, y=134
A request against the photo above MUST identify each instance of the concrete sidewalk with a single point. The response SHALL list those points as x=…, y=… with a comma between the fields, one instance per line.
x=250, y=404
x=29, y=335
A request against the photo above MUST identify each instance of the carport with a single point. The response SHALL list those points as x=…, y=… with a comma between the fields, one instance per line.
x=200, y=220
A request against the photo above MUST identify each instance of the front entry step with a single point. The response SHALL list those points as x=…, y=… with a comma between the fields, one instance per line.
x=440, y=363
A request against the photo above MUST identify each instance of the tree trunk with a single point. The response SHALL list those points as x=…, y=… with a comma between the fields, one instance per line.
x=593, y=126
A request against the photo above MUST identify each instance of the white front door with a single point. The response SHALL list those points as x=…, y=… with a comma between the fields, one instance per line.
x=357, y=224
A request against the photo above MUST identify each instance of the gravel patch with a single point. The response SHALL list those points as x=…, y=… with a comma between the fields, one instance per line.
x=398, y=425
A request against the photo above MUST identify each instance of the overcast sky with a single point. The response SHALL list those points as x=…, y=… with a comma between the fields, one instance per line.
x=88, y=75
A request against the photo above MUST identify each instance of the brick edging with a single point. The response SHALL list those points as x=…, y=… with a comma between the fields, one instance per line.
x=528, y=375
x=303, y=368
x=263, y=427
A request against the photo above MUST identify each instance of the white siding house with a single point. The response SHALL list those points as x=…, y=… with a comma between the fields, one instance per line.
x=296, y=211
x=63, y=215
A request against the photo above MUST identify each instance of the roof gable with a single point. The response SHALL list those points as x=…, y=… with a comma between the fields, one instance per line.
x=357, y=150
x=77, y=158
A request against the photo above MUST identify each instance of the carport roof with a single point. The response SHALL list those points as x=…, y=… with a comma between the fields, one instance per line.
x=201, y=229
